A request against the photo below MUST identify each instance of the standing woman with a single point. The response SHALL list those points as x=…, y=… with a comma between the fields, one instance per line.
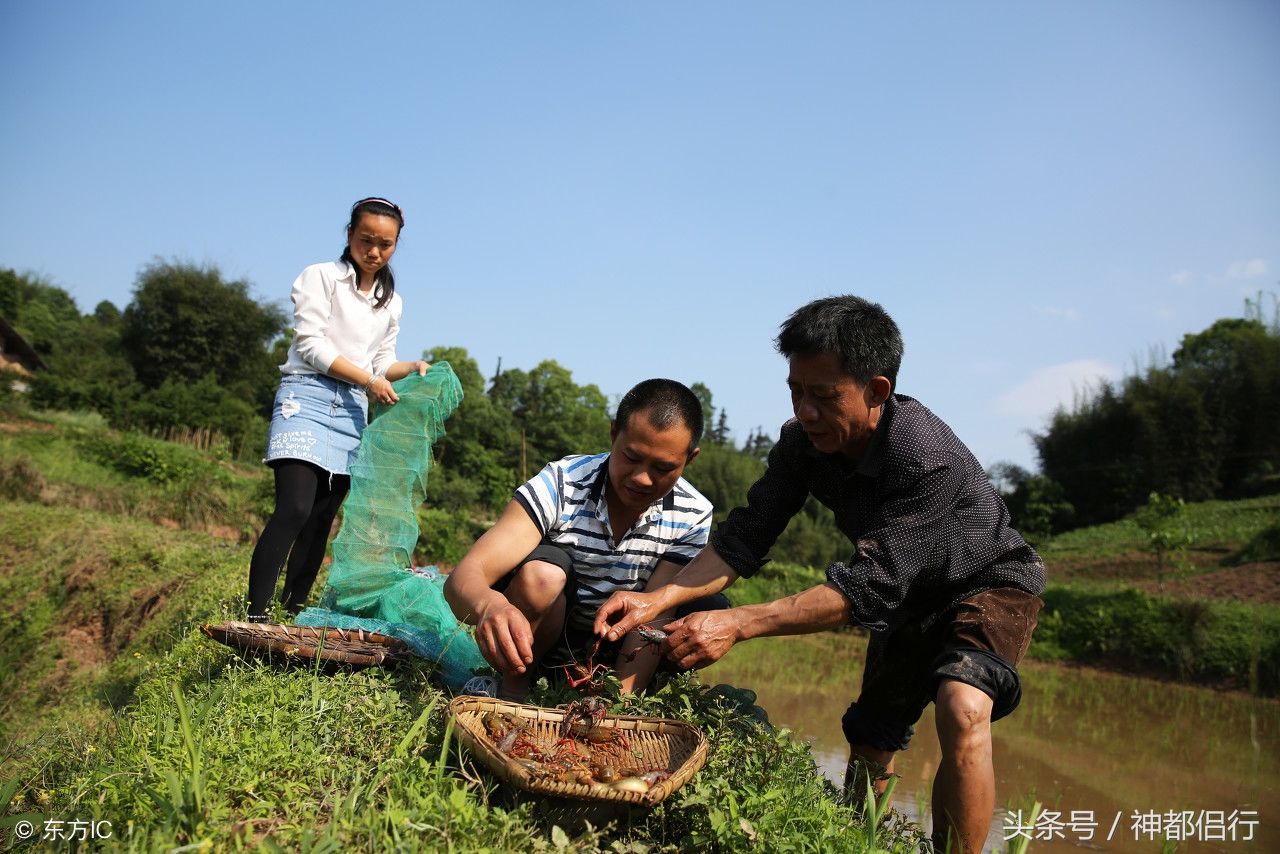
x=346, y=318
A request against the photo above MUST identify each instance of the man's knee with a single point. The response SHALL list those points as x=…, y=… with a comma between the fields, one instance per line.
x=963, y=714
x=537, y=582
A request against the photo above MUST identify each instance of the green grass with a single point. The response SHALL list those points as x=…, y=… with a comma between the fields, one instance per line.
x=1229, y=644
x=1218, y=528
x=116, y=708
x=223, y=754
x=88, y=592
x=775, y=580
x=62, y=463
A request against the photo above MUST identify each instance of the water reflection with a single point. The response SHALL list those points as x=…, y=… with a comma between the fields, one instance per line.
x=1095, y=743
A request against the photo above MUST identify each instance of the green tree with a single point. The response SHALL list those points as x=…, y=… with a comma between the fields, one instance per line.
x=553, y=416
x=812, y=538
x=470, y=470
x=84, y=369
x=1162, y=520
x=703, y=394
x=758, y=444
x=723, y=474
x=1037, y=505
x=187, y=321
x=43, y=313
x=1202, y=426
x=1232, y=370
x=720, y=435
x=10, y=295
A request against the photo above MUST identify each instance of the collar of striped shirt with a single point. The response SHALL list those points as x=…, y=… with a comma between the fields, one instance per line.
x=596, y=494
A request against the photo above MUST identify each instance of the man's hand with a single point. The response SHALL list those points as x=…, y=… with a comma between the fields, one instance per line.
x=630, y=609
x=504, y=637
x=702, y=638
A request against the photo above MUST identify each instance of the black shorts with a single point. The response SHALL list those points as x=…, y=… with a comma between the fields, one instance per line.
x=980, y=642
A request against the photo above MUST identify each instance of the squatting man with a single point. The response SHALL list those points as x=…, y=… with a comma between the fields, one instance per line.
x=585, y=527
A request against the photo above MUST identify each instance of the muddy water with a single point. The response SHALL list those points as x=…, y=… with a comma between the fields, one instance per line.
x=1111, y=749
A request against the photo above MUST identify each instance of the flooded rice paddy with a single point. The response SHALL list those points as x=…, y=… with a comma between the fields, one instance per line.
x=1127, y=758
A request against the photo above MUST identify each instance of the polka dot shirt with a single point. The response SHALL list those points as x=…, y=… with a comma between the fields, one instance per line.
x=929, y=530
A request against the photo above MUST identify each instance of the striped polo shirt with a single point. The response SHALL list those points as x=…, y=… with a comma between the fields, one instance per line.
x=566, y=500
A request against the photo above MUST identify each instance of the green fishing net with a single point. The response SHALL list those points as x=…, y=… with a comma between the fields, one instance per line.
x=372, y=583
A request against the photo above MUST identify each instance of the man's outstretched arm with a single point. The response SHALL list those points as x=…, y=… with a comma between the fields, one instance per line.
x=702, y=638
x=705, y=575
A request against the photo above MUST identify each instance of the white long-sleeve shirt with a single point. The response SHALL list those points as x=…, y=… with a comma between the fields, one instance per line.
x=331, y=319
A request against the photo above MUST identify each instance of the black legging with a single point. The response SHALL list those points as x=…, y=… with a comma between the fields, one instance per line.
x=307, y=500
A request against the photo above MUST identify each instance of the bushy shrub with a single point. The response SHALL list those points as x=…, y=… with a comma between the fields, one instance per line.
x=20, y=480
x=139, y=456
x=201, y=405
x=1265, y=545
x=1217, y=642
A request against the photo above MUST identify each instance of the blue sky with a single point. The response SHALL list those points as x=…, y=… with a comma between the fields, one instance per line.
x=1040, y=193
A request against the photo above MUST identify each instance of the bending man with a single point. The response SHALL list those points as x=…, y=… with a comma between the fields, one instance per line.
x=948, y=589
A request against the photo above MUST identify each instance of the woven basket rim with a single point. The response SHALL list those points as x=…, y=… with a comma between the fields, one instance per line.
x=326, y=643
x=465, y=711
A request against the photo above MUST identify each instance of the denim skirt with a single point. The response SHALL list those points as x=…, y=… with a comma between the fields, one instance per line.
x=318, y=419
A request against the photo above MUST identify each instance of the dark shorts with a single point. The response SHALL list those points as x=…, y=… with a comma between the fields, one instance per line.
x=575, y=645
x=980, y=642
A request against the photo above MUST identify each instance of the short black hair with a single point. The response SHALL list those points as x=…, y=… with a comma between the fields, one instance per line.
x=663, y=401
x=858, y=332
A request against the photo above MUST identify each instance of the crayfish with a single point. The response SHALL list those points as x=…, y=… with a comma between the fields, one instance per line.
x=584, y=676
x=587, y=751
x=650, y=638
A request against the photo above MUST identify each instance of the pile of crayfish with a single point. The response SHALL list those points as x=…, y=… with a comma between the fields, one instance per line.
x=589, y=677
x=586, y=752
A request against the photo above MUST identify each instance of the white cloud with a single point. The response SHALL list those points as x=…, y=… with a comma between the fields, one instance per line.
x=1251, y=269
x=1064, y=313
x=1054, y=386
x=1182, y=278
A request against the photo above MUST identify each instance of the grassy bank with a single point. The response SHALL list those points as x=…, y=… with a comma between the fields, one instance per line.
x=117, y=709
x=1225, y=644
x=89, y=595
x=1221, y=534
x=113, y=548
x=231, y=756
x=74, y=462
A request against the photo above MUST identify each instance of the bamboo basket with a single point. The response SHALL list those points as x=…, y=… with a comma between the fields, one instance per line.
x=311, y=643
x=674, y=746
